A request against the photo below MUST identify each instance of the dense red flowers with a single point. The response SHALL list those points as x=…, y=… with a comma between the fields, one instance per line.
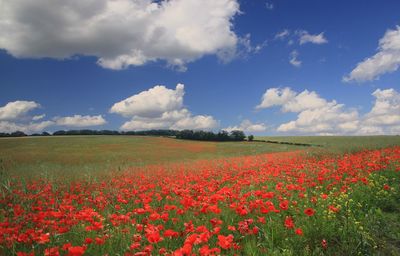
x=202, y=208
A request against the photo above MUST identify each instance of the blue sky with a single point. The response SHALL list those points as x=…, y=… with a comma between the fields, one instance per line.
x=267, y=67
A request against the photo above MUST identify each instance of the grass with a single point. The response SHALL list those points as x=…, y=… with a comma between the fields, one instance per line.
x=74, y=155
x=340, y=144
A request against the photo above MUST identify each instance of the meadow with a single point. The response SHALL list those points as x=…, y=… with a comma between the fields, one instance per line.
x=77, y=155
x=121, y=195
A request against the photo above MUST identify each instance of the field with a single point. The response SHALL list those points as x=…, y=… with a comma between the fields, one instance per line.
x=72, y=155
x=105, y=195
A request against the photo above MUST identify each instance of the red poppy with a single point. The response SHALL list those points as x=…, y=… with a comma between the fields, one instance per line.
x=289, y=224
x=309, y=211
x=299, y=231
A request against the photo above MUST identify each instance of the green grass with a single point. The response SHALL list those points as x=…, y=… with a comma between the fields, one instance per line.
x=77, y=155
x=340, y=144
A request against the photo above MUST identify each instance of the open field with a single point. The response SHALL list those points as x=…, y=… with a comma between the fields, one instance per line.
x=32, y=156
x=103, y=195
x=83, y=154
x=340, y=144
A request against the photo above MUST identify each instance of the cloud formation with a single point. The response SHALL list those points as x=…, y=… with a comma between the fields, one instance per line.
x=316, y=115
x=305, y=37
x=14, y=116
x=120, y=33
x=248, y=127
x=282, y=35
x=17, y=109
x=386, y=60
x=160, y=108
x=31, y=127
x=293, y=59
x=80, y=121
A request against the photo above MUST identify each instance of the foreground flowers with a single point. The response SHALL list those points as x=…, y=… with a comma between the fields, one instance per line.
x=260, y=205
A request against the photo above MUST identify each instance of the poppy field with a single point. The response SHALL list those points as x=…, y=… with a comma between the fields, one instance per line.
x=288, y=203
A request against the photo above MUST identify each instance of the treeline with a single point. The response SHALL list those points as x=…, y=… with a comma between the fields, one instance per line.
x=185, y=134
x=110, y=132
x=210, y=136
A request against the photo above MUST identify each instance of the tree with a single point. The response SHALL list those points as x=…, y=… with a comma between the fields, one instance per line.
x=237, y=135
x=18, y=134
x=250, y=138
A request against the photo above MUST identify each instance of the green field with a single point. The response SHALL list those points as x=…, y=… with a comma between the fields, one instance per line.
x=31, y=156
x=76, y=155
x=340, y=144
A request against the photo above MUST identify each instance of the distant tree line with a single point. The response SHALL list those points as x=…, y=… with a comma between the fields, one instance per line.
x=210, y=136
x=110, y=132
x=13, y=134
x=185, y=134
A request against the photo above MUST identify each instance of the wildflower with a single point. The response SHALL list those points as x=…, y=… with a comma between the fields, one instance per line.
x=309, y=211
x=324, y=244
x=299, y=231
x=289, y=224
x=76, y=250
x=225, y=242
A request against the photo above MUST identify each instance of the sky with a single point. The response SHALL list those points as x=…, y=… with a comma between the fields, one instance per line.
x=267, y=67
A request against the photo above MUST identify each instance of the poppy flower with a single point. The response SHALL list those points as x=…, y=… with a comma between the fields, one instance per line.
x=309, y=211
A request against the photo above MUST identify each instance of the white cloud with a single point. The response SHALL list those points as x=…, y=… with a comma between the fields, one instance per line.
x=120, y=33
x=38, y=117
x=17, y=109
x=160, y=108
x=9, y=127
x=282, y=35
x=276, y=97
x=331, y=118
x=386, y=109
x=247, y=126
x=199, y=122
x=80, y=121
x=316, y=115
x=245, y=47
x=14, y=117
x=386, y=60
x=151, y=103
x=305, y=37
x=291, y=101
x=293, y=59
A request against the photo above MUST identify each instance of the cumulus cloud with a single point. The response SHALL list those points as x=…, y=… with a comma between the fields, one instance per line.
x=386, y=109
x=316, y=115
x=80, y=121
x=14, y=117
x=9, y=127
x=305, y=37
x=293, y=59
x=331, y=118
x=291, y=101
x=160, y=108
x=386, y=60
x=17, y=109
x=248, y=127
x=151, y=103
x=120, y=33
